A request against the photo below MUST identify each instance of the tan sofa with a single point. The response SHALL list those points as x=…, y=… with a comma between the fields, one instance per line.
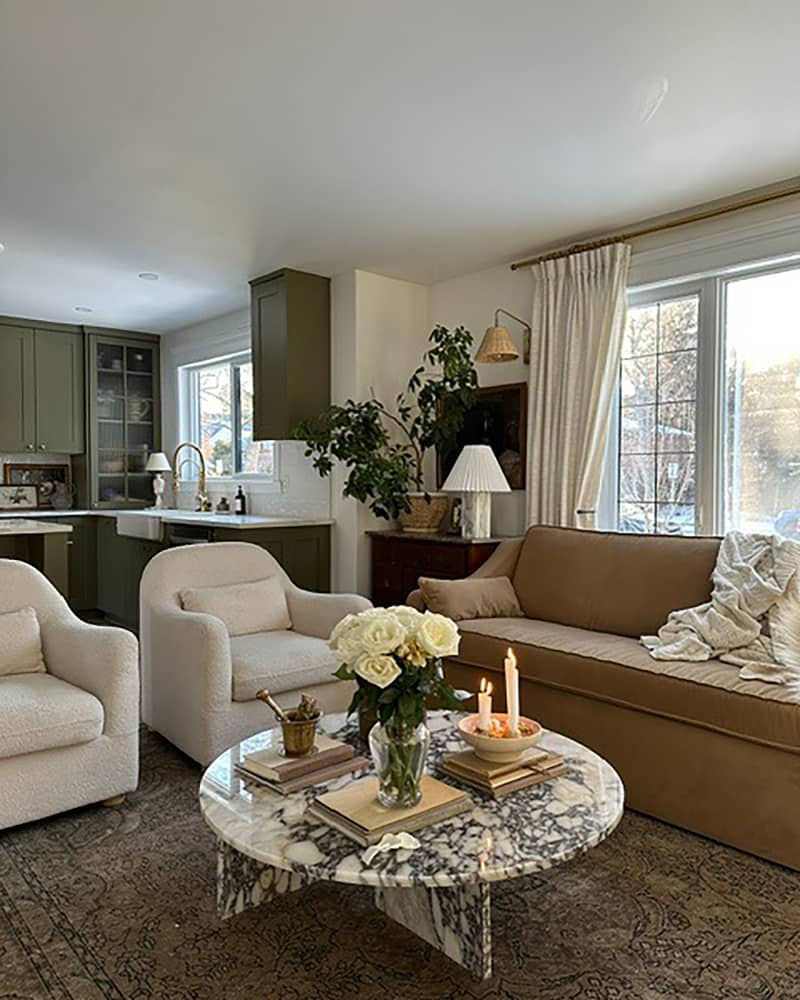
x=695, y=745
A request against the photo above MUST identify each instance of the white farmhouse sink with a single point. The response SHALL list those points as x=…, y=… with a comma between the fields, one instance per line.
x=139, y=525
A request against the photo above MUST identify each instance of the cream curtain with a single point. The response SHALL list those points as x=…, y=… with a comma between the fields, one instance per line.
x=578, y=324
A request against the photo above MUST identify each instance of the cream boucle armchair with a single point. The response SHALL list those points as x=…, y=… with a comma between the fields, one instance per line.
x=198, y=683
x=68, y=736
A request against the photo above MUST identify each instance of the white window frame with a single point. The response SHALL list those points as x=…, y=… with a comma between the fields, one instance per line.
x=189, y=423
x=710, y=420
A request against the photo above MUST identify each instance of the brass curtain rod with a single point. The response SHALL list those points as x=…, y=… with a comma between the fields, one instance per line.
x=657, y=227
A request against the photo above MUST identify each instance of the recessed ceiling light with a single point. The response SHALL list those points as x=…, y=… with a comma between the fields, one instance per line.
x=82, y=309
x=148, y=276
x=2, y=247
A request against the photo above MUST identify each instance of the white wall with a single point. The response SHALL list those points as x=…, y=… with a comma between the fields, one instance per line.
x=379, y=331
x=300, y=492
x=471, y=300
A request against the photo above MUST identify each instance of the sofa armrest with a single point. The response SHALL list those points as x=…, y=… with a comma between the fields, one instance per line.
x=502, y=562
x=189, y=659
x=318, y=614
x=101, y=660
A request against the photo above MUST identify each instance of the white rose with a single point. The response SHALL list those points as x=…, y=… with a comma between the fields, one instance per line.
x=344, y=639
x=377, y=669
x=408, y=617
x=437, y=635
x=381, y=634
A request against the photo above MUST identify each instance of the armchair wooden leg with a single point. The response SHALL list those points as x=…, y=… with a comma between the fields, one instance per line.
x=115, y=800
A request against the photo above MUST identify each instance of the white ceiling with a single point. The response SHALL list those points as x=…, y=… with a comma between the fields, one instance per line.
x=215, y=140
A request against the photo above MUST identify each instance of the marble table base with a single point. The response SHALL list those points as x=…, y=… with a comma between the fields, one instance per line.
x=456, y=921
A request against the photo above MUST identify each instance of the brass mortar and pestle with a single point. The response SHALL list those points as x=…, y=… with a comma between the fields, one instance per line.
x=299, y=724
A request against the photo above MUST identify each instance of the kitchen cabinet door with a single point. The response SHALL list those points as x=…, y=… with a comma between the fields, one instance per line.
x=59, y=392
x=17, y=389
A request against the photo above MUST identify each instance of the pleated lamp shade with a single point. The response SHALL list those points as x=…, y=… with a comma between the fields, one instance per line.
x=476, y=471
x=496, y=347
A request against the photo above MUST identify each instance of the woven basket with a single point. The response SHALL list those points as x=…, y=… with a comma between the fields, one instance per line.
x=425, y=516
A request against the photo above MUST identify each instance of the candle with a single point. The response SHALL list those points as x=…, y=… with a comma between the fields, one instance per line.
x=485, y=706
x=512, y=692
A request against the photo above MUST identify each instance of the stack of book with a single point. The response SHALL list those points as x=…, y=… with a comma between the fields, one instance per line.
x=330, y=759
x=498, y=780
x=356, y=812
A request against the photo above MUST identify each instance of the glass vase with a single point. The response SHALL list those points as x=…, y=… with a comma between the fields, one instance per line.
x=399, y=751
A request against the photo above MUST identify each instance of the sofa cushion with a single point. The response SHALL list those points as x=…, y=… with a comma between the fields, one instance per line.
x=279, y=661
x=619, y=670
x=20, y=643
x=607, y=582
x=243, y=608
x=42, y=712
x=475, y=597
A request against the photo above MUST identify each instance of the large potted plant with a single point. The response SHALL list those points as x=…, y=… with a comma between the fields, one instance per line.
x=395, y=657
x=383, y=450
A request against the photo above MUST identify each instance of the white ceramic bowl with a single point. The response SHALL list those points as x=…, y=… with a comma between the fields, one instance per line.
x=497, y=750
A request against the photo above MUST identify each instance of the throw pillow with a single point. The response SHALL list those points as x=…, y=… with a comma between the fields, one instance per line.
x=20, y=643
x=243, y=608
x=481, y=597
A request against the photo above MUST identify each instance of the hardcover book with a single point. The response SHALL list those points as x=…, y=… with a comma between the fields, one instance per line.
x=356, y=812
x=272, y=764
x=298, y=782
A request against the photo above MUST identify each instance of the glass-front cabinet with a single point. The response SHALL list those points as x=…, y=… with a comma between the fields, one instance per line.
x=124, y=419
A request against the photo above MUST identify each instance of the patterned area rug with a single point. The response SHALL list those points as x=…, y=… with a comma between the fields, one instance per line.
x=106, y=904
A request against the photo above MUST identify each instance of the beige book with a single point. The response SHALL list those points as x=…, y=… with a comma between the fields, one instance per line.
x=298, y=782
x=272, y=764
x=468, y=761
x=356, y=811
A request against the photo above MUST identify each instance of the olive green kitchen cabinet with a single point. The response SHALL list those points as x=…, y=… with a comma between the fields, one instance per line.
x=82, y=544
x=41, y=389
x=304, y=552
x=123, y=397
x=291, y=340
x=120, y=563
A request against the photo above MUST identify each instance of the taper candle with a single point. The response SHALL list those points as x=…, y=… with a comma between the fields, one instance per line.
x=512, y=691
x=485, y=706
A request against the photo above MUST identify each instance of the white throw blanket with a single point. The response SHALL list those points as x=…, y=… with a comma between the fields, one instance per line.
x=753, y=617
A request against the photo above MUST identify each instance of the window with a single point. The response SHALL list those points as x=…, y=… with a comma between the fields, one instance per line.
x=217, y=412
x=658, y=404
x=707, y=435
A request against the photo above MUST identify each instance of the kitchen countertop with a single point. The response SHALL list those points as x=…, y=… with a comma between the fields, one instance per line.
x=26, y=526
x=168, y=516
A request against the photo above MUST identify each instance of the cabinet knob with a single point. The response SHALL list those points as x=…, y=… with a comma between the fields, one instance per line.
x=42, y=447
x=29, y=447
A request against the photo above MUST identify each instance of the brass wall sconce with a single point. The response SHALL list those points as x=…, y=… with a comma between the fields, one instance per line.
x=497, y=346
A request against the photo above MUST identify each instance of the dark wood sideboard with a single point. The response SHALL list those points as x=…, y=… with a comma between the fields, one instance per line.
x=399, y=558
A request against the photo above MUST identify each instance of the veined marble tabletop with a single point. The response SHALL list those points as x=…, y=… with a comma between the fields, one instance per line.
x=267, y=847
x=525, y=832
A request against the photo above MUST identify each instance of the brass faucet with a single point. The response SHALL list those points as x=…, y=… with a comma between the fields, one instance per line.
x=203, y=502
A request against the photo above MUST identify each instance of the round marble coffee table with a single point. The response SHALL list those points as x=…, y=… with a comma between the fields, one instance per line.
x=441, y=891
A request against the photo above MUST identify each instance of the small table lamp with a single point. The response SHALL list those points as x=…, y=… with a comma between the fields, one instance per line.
x=476, y=475
x=158, y=463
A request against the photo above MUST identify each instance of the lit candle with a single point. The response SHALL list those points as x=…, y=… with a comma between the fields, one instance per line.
x=485, y=706
x=512, y=692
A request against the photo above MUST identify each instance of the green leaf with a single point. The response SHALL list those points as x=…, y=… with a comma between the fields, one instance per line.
x=344, y=673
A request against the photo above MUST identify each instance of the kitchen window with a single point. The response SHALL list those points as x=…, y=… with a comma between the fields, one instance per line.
x=706, y=434
x=217, y=413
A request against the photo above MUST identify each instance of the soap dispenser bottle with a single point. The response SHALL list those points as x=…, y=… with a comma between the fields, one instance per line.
x=240, y=502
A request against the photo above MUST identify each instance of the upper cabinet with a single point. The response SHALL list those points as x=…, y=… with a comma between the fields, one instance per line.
x=290, y=322
x=41, y=390
x=124, y=417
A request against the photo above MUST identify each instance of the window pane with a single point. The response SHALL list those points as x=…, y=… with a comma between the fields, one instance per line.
x=676, y=519
x=641, y=332
x=762, y=457
x=639, y=381
x=676, y=426
x=257, y=456
x=637, y=477
x=639, y=518
x=677, y=374
x=676, y=480
x=677, y=324
x=216, y=432
x=637, y=432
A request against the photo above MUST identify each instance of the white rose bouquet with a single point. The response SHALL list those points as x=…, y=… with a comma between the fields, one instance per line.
x=395, y=657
